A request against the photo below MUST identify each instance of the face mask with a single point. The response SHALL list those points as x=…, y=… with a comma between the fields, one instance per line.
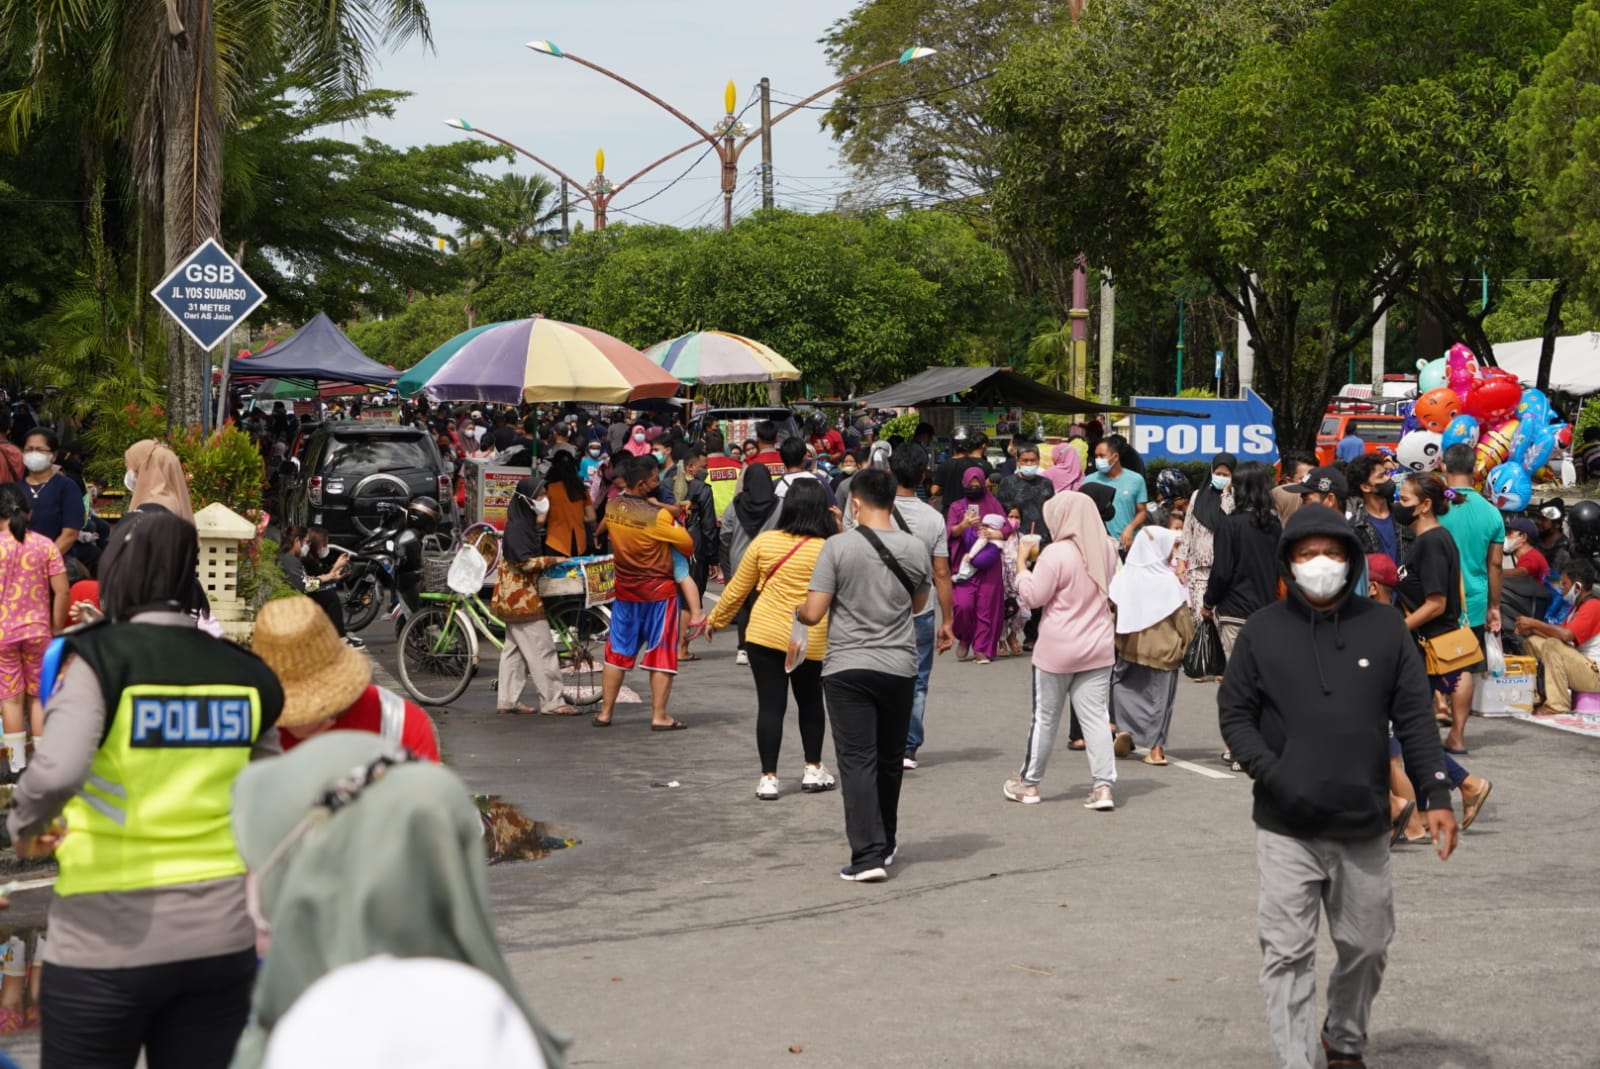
x=1028, y=470
x=1102, y=465
x=595, y=452
x=127, y=480
x=1509, y=548
x=302, y=551
x=974, y=493
x=1320, y=577
x=1220, y=482
x=848, y=469
x=322, y=554
x=1405, y=514
x=1571, y=596
x=36, y=462
x=638, y=436
x=661, y=458
x=541, y=506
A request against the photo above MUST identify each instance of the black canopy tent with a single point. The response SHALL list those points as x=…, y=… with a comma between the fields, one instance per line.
x=997, y=387
x=317, y=352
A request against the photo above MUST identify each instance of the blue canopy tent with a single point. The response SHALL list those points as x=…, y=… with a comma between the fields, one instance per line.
x=317, y=352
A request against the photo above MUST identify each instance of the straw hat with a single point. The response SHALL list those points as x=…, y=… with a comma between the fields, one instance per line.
x=322, y=676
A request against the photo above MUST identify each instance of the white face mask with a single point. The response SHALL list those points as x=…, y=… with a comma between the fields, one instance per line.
x=128, y=480
x=1508, y=547
x=322, y=554
x=638, y=436
x=1321, y=578
x=36, y=462
x=541, y=505
x=302, y=551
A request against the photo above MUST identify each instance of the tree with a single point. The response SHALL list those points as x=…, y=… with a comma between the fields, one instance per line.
x=403, y=339
x=166, y=77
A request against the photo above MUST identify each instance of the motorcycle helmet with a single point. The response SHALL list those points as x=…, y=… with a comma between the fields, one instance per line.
x=423, y=513
x=1583, y=526
x=1171, y=485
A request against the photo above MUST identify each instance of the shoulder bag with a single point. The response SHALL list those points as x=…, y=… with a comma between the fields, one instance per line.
x=781, y=562
x=1453, y=650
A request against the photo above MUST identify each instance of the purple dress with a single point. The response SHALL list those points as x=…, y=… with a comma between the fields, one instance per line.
x=979, y=604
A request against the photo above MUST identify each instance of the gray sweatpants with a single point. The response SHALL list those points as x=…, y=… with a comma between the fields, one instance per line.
x=1298, y=878
x=1090, y=695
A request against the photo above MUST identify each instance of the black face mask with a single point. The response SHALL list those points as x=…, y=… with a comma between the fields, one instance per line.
x=974, y=493
x=1404, y=514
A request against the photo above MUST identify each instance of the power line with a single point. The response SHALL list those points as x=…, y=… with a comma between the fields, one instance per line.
x=710, y=148
x=915, y=98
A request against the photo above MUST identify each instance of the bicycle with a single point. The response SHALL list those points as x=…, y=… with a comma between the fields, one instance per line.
x=439, y=643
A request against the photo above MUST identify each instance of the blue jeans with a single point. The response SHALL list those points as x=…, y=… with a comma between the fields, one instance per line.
x=926, y=631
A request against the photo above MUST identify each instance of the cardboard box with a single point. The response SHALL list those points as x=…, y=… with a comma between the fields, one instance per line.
x=1508, y=695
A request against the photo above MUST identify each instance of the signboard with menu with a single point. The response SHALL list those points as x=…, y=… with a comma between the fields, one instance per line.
x=489, y=489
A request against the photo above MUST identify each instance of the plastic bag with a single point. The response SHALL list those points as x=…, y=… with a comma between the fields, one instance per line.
x=799, y=637
x=1494, y=654
x=467, y=571
x=1204, y=659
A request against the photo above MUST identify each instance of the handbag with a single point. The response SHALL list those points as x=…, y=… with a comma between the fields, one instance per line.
x=516, y=595
x=1453, y=650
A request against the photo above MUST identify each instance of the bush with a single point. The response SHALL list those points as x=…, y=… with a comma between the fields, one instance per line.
x=225, y=467
x=261, y=579
x=905, y=425
x=1588, y=417
x=110, y=433
x=1198, y=472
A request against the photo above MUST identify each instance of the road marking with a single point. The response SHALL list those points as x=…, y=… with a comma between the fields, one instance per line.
x=1202, y=769
x=32, y=885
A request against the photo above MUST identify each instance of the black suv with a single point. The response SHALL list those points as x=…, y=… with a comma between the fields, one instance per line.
x=347, y=468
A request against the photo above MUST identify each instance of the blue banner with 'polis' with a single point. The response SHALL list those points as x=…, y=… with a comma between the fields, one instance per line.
x=1243, y=428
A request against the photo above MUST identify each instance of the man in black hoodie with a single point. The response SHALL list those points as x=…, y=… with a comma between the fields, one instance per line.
x=1305, y=706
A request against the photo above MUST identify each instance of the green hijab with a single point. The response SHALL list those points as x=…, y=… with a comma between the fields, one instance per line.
x=399, y=870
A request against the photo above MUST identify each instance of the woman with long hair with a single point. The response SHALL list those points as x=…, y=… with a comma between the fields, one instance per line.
x=747, y=517
x=1244, y=569
x=566, y=530
x=778, y=567
x=979, y=601
x=34, y=596
x=1197, y=545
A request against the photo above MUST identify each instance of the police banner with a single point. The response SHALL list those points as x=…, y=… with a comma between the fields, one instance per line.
x=1243, y=428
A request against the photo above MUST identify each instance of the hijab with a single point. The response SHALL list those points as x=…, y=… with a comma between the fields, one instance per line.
x=1066, y=467
x=521, y=541
x=158, y=478
x=1206, y=504
x=1146, y=591
x=1074, y=517
x=634, y=448
x=757, y=499
x=398, y=870
x=986, y=504
x=149, y=565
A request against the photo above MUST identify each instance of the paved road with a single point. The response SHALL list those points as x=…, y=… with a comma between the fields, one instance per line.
x=698, y=926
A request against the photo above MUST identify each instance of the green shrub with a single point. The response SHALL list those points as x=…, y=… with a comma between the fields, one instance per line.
x=225, y=467
x=261, y=578
x=905, y=425
x=109, y=434
x=1198, y=472
x=1588, y=417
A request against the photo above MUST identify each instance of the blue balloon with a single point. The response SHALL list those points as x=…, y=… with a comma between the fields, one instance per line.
x=1408, y=418
x=1463, y=430
x=1508, y=487
x=1536, y=453
x=1534, y=408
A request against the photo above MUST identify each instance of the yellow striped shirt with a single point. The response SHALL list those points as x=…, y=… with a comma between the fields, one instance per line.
x=785, y=590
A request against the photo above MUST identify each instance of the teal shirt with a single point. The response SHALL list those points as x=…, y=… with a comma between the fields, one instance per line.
x=1131, y=493
x=1476, y=525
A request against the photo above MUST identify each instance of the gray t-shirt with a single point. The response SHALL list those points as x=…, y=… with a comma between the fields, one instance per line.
x=927, y=526
x=869, y=623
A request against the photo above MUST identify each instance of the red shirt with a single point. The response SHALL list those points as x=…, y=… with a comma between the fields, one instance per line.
x=366, y=714
x=773, y=462
x=1584, y=623
x=830, y=444
x=1533, y=562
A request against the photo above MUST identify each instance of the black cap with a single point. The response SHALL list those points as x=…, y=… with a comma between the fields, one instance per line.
x=1322, y=481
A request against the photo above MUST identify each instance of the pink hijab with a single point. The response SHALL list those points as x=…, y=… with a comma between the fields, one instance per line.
x=1066, y=467
x=634, y=448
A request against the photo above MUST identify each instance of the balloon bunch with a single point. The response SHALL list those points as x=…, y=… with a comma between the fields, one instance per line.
x=1511, y=430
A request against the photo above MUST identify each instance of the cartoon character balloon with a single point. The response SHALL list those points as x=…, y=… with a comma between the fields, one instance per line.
x=1408, y=417
x=1436, y=408
x=1420, y=450
x=1463, y=430
x=1533, y=408
x=1432, y=375
x=1493, y=448
x=1508, y=487
x=1461, y=367
x=1494, y=397
x=1532, y=445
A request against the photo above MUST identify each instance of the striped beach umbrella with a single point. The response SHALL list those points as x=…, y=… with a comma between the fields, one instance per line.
x=414, y=377
x=541, y=359
x=714, y=357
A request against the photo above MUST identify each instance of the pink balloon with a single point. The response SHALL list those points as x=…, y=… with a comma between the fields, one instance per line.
x=1462, y=368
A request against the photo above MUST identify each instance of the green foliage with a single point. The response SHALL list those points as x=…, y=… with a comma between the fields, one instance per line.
x=1198, y=472
x=1588, y=416
x=402, y=339
x=261, y=577
x=110, y=433
x=1520, y=308
x=225, y=466
x=905, y=425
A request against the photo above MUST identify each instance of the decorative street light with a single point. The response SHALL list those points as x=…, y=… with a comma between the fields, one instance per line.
x=729, y=137
x=599, y=191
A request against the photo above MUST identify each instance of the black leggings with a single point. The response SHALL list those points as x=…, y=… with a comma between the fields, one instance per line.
x=332, y=604
x=184, y=1014
x=772, y=701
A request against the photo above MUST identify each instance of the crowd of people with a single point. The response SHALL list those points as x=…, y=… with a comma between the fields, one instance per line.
x=211, y=789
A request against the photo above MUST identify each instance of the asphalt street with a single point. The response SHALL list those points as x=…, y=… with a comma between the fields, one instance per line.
x=698, y=926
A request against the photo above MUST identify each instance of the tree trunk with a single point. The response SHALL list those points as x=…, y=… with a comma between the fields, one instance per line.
x=191, y=179
x=1552, y=331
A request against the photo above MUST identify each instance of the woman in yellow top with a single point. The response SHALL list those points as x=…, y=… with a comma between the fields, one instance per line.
x=777, y=567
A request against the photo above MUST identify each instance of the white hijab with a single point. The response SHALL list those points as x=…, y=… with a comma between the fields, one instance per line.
x=1146, y=591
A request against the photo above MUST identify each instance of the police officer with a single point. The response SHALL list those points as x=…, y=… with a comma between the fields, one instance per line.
x=151, y=945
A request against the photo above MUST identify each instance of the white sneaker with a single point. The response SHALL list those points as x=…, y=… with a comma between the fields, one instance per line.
x=742, y=658
x=1100, y=799
x=890, y=859
x=1018, y=791
x=767, y=789
x=873, y=874
x=817, y=778
x=909, y=761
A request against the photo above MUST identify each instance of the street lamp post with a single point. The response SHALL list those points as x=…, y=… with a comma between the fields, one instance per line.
x=729, y=137
x=599, y=191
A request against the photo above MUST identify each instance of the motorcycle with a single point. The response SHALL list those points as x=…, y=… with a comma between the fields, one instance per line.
x=385, y=572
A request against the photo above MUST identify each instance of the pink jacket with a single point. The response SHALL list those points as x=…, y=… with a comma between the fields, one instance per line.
x=1076, y=631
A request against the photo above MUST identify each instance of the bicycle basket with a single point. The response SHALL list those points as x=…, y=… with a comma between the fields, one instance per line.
x=436, y=572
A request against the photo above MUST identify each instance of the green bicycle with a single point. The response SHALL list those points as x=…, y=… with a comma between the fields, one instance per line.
x=439, y=644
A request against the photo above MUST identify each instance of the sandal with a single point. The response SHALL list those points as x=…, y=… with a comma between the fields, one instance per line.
x=1076, y=744
x=1400, y=822
x=597, y=722
x=688, y=657
x=1151, y=759
x=671, y=725
x=560, y=710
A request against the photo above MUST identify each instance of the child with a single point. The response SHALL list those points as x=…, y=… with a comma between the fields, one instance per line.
x=34, y=579
x=1017, y=614
x=991, y=529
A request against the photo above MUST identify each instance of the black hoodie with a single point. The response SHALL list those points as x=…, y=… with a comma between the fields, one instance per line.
x=1308, y=697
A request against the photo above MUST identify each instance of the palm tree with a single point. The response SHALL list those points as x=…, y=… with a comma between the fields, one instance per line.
x=165, y=77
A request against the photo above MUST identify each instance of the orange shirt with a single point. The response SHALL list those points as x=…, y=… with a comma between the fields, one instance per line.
x=564, y=531
x=642, y=540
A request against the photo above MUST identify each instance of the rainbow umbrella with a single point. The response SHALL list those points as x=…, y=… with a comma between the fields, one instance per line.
x=541, y=359
x=715, y=357
x=420, y=372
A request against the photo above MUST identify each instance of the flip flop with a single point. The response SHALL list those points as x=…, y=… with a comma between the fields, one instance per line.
x=1400, y=823
x=1456, y=753
x=688, y=657
x=673, y=725
x=560, y=710
x=1147, y=759
x=597, y=722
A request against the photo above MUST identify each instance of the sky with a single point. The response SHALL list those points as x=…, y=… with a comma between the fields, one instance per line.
x=684, y=51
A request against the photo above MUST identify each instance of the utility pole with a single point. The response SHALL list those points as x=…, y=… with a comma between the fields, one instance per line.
x=566, y=232
x=1108, y=329
x=766, y=142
